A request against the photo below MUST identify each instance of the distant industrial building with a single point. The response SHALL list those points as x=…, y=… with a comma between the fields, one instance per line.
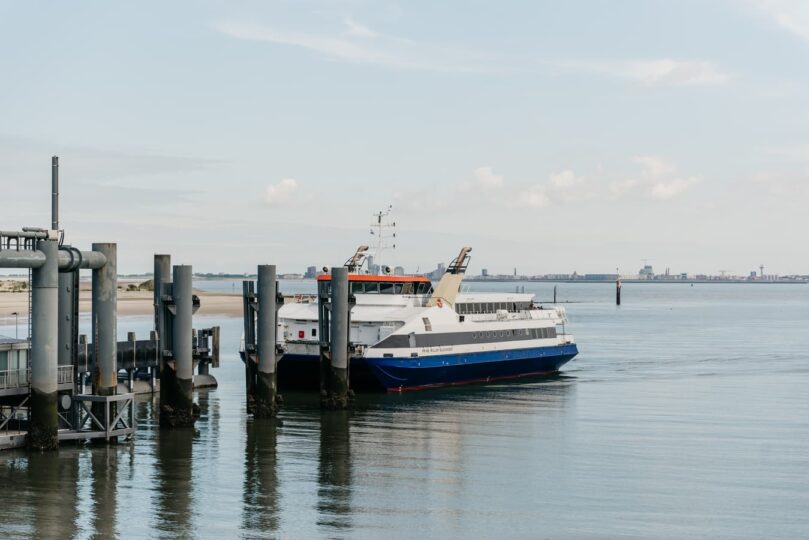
x=438, y=272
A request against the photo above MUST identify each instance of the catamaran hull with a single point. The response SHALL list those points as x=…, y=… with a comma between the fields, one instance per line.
x=405, y=374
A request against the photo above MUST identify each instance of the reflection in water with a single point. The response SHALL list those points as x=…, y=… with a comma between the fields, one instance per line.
x=334, y=471
x=52, y=481
x=174, y=487
x=104, y=488
x=260, y=512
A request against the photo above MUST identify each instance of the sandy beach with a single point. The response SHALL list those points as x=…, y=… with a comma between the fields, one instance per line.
x=129, y=302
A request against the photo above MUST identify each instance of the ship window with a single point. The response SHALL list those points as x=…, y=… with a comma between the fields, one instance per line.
x=357, y=287
x=397, y=288
x=372, y=287
x=407, y=288
x=314, y=332
x=427, y=326
x=552, y=332
x=386, y=288
x=423, y=288
x=477, y=307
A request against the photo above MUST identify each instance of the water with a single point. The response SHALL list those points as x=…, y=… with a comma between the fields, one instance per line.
x=686, y=415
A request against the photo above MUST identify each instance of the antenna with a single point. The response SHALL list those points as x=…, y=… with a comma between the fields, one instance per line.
x=384, y=231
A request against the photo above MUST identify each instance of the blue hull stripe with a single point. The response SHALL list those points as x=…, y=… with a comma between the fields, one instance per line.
x=440, y=370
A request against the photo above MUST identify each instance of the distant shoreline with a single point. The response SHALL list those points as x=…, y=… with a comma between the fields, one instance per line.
x=644, y=281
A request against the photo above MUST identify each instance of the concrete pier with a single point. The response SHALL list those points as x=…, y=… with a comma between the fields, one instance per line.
x=177, y=407
x=162, y=276
x=105, y=328
x=68, y=325
x=266, y=387
x=43, y=431
x=337, y=390
x=105, y=322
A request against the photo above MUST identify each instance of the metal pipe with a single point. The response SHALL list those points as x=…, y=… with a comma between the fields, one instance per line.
x=22, y=259
x=55, y=193
x=35, y=234
x=338, y=392
x=267, y=386
x=42, y=434
x=71, y=259
x=105, y=324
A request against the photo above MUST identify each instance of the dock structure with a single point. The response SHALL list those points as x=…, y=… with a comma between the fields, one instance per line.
x=261, y=349
x=43, y=397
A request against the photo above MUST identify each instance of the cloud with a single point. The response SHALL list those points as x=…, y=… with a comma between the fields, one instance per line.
x=667, y=190
x=561, y=187
x=358, y=30
x=280, y=193
x=535, y=197
x=623, y=186
x=656, y=180
x=486, y=179
x=565, y=180
x=358, y=44
x=654, y=166
x=792, y=15
x=784, y=183
x=658, y=72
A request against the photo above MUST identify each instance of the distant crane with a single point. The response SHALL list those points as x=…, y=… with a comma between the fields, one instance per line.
x=762, y=271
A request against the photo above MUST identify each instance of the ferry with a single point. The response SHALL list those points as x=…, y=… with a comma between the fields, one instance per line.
x=407, y=334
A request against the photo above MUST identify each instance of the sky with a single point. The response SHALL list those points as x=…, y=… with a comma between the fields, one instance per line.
x=551, y=137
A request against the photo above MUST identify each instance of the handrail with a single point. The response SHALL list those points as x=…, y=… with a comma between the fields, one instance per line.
x=14, y=378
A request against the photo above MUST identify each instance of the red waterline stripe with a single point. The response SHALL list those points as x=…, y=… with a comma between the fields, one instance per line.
x=400, y=389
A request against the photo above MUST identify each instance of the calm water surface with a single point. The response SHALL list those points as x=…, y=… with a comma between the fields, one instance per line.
x=686, y=414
